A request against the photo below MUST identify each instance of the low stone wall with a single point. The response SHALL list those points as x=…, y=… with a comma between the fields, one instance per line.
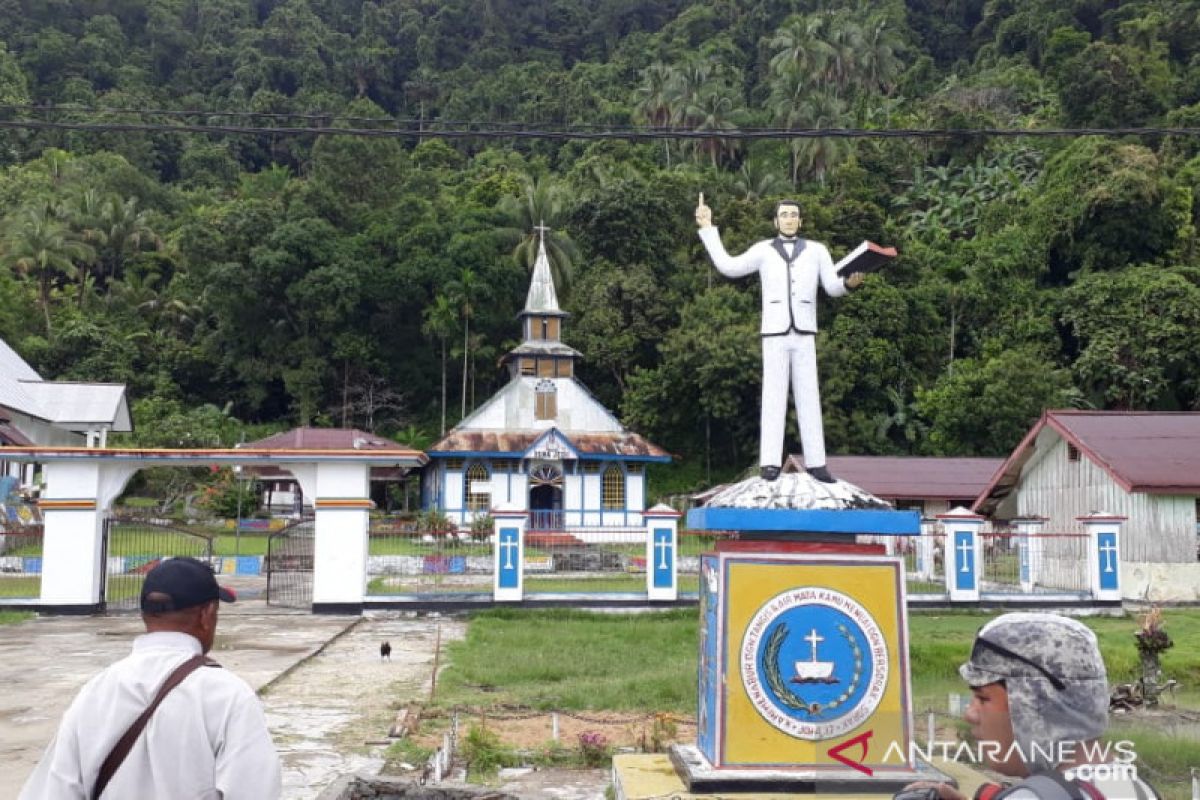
x=1156, y=582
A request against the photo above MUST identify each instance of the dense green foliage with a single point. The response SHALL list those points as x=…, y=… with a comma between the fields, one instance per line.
x=276, y=279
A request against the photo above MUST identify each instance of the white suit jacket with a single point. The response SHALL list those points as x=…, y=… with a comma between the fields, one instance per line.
x=789, y=290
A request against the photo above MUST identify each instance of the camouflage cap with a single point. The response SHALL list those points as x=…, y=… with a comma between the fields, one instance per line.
x=1055, y=678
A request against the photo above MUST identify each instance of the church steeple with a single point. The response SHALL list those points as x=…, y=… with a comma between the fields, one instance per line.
x=542, y=353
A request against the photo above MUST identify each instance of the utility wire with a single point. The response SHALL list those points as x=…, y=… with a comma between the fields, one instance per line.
x=494, y=131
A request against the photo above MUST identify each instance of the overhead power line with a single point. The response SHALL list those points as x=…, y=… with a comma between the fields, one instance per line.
x=484, y=129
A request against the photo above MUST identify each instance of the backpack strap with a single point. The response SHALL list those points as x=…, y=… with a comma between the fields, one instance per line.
x=1048, y=785
x=121, y=749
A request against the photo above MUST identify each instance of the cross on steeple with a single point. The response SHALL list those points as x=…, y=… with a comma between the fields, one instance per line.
x=542, y=230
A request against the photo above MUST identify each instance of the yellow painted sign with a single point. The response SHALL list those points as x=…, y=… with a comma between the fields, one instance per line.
x=814, y=658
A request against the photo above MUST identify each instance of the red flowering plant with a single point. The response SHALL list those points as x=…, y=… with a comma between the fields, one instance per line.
x=595, y=748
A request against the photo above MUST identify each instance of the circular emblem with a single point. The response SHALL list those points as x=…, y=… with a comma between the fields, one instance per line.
x=814, y=663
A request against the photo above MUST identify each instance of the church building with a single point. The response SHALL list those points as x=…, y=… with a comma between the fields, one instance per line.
x=543, y=443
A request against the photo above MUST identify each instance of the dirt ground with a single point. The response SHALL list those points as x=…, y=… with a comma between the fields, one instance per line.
x=532, y=730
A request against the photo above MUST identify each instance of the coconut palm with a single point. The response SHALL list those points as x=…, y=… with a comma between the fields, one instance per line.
x=540, y=210
x=41, y=247
x=439, y=323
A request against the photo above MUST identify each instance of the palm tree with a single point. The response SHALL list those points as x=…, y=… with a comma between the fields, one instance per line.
x=40, y=246
x=714, y=110
x=463, y=292
x=439, y=323
x=541, y=208
x=127, y=230
x=799, y=44
x=654, y=98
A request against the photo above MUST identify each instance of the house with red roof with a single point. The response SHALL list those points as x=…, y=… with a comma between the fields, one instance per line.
x=280, y=491
x=930, y=484
x=1144, y=466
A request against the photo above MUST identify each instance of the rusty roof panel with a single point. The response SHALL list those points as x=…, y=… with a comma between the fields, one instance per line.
x=630, y=445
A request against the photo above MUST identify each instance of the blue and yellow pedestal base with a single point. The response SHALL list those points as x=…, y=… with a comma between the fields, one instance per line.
x=804, y=675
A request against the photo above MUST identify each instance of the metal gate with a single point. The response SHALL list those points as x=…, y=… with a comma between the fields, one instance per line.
x=289, y=566
x=133, y=547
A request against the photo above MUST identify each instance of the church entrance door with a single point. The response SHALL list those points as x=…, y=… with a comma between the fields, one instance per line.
x=546, y=499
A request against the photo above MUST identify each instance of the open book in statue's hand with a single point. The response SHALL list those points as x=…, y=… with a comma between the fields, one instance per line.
x=867, y=257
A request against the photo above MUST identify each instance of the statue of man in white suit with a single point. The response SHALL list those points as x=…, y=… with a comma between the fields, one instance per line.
x=790, y=268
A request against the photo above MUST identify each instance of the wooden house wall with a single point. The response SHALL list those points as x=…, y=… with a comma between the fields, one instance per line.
x=1160, y=528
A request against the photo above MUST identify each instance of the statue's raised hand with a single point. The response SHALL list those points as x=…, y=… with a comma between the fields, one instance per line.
x=703, y=213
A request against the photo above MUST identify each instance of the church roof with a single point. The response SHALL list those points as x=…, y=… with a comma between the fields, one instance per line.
x=622, y=444
x=543, y=347
x=542, y=298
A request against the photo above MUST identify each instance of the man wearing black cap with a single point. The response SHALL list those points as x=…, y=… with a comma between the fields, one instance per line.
x=208, y=737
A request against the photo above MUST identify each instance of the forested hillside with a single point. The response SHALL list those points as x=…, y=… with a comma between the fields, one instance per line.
x=267, y=276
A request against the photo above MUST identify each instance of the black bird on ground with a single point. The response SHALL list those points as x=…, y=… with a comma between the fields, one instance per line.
x=385, y=651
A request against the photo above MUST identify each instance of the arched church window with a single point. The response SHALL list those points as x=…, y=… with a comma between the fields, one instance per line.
x=614, y=488
x=476, y=475
x=545, y=400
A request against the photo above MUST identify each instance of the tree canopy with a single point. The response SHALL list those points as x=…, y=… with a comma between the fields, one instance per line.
x=289, y=277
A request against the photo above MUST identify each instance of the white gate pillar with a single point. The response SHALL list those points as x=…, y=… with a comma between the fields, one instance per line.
x=662, y=552
x=1030, y=542
x=1104, y=554
x=77, y=495
x=926, y=550
x=508, y=553
x=343, y=505
x=961, y=559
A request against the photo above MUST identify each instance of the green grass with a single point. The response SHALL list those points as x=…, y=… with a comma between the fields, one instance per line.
x=13, y=617
x=20, y=586
x=574, y=660
x=251, y=544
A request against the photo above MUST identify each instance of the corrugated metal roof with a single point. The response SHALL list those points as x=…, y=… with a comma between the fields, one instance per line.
x=912, y=477
x=13, y=370
x=69, y=403
x=325, y=439
x=517, y=442
x=1153, y=452
x=1143, y=451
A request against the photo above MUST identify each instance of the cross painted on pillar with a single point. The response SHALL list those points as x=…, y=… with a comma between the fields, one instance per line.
x=1108, y=551
x=510, y=566
x=965, y=548
x=665, y=556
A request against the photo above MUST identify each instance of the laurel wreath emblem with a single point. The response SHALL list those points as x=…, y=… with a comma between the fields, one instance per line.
x=791, y=699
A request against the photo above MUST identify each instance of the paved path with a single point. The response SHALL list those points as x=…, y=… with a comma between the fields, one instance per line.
x=326, y=692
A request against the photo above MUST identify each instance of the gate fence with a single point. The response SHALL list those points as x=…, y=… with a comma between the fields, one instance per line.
x=289, y=566
x=407, y=557
x=21, y=561
x=134, y=546
x=1010, y=563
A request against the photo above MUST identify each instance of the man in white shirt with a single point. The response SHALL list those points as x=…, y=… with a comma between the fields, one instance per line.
x=207, y=740
x=790, y=267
